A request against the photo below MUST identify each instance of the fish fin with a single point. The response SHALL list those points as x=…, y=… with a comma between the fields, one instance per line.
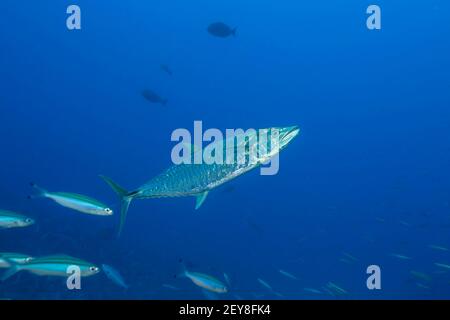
x=12, y=270
x=200, y=199
x=125, y=199
x=40, y=191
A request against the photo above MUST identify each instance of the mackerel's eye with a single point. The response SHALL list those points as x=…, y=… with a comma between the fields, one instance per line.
x=28, y=220
x=108, y=210
x=93, y=269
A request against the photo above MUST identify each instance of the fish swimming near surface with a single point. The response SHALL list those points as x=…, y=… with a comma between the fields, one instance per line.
x=18, y=258
x=114, y=276
x=75, y=201
x=57, y=266
x=9, y=219
x=221, y=30
x=205, y=281
x=197, y=180
x=153, y=97
x=166, y=69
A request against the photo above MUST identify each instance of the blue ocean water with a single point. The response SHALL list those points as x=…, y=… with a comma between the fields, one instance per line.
x=367, y=177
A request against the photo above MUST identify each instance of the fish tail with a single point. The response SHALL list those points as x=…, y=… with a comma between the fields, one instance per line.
x=41, y=192
x=125, y=199
x=12, y=270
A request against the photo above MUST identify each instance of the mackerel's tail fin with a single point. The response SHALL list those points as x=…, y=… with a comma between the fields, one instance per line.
x=125, y=200
x=40, y=191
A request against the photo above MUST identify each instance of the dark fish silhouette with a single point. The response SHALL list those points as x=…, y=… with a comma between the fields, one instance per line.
x=221, y=30
x=166, y=69
x=153, y=97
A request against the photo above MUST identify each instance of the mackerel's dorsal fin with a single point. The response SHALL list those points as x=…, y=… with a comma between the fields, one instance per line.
x=200, y=199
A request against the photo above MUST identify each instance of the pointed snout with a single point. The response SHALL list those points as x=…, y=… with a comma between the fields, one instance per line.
x=287, y=134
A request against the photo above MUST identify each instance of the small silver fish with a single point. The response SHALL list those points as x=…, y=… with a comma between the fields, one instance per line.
x=435, y=247
x=9, y=219
x=75, y=201
x=51, y=266
x=265, y=284
x=400, y=256
x=205, y=281
x=334, y=287
x=287, y=274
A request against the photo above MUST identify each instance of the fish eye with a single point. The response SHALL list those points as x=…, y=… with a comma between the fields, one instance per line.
x=28, y=259
x=93, y=269
x=108, y=210
x=28, y=220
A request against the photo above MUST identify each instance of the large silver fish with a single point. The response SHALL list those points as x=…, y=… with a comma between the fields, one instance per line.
x=197, y=180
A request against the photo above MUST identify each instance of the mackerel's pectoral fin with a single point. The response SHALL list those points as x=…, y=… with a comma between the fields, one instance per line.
x=200, y=199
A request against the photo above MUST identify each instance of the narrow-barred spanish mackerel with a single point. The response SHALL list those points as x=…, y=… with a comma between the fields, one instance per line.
x=197, y=180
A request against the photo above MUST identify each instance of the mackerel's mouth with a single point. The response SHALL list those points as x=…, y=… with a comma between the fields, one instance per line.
x=286, y=135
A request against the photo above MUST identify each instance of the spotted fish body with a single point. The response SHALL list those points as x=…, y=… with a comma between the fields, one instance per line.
x=197, y=180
